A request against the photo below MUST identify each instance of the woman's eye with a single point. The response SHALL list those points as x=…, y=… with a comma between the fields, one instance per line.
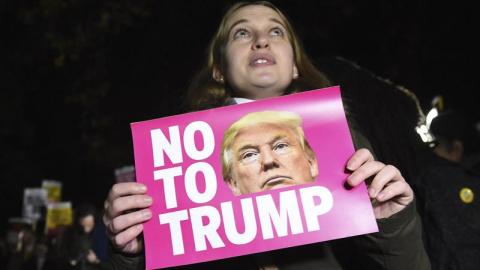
x=277, y=32
x=241, y=33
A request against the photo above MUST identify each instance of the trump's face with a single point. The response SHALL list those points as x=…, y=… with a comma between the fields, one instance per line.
x=269, y=156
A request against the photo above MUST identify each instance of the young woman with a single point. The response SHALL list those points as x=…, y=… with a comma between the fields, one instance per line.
x=256, y=55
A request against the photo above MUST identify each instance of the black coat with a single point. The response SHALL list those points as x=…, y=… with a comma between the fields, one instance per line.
x=451, y=222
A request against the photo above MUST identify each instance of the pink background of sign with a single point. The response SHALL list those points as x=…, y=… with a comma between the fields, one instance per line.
x=327, y=132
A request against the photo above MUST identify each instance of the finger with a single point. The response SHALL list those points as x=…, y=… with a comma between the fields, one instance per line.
x=124, y=189
x=125, y=237
x=364, y=172
x=127, y=203
x=399, y=190
x=386, y=176
x=123, y=222
x=359, y=157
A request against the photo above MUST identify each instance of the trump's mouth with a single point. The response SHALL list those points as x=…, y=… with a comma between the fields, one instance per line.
x=275, y=180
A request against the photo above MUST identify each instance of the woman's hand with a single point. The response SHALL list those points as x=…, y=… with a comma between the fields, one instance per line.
x=124, y=214
x=389, y=191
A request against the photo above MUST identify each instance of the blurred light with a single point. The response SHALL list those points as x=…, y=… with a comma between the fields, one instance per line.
x=426, y=136
x=423, y=132
x=437, y=102
x=423, y=129
x=430, y=115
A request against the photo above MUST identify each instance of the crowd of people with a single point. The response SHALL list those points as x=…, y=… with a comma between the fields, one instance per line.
x=424, y=198
x=80, y=246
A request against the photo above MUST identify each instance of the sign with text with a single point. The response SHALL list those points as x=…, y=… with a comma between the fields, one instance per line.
x=125, y=174
x=59, y=214
x=54, y=189
x=248, y=178
x=34, y=199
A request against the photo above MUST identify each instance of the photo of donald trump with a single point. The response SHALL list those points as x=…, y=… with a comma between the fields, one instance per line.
x=267, y=150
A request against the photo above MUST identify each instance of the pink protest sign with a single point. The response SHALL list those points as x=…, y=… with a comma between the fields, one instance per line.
x=276, y=190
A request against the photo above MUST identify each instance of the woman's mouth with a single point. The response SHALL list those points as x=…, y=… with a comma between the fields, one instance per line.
x=261, y=60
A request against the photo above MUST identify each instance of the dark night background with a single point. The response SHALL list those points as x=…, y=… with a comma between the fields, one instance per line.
x=74, y=74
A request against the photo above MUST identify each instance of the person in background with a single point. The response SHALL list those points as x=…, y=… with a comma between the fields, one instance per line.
x=79, y=239
x=256, y=55
x=23, y=249
x=457, y=139
x=448, y=194
x=3, y=253
x=43, y=258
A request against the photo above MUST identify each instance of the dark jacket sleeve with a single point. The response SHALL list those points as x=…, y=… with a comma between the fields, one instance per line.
x=398, y=244
x=121, y=261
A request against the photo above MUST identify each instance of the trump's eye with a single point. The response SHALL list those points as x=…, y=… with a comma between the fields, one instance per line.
x=282, y=148
x=249, y=157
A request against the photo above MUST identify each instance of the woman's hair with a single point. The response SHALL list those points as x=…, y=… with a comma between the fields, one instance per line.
x=204, y=92
x=385, y=113
x=85, y=209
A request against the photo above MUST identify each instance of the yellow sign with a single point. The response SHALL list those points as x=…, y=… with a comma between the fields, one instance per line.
x=59, y=214
x=466, y=195
x=54, y=190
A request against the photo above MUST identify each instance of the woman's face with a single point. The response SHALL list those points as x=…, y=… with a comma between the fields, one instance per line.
x=259, y=56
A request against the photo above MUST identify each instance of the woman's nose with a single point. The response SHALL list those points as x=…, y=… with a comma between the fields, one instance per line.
x=261, y=42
